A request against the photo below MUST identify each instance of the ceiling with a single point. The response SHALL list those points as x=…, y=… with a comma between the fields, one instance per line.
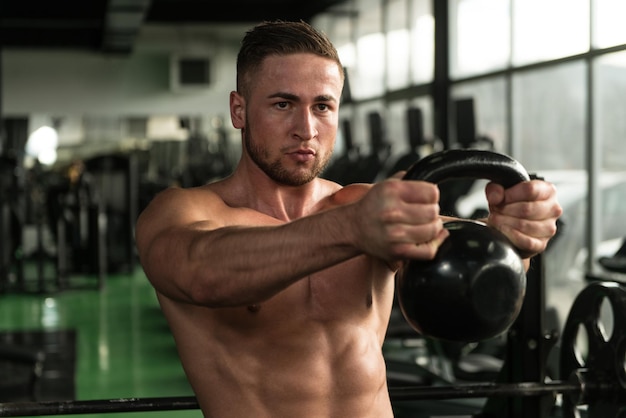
x=111, y=26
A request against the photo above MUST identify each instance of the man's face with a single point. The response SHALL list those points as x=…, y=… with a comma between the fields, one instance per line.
x=291, y=115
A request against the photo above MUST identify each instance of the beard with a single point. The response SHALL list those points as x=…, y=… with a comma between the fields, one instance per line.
x=275, y=170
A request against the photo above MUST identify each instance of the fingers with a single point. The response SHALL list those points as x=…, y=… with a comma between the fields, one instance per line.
x=528, y=191
x=425, y=250
x=406, y=224
x=399, y=175
x=541, y=229
x=530, y=238
x=412, y=191
x=526, y=213
x=402, y=220
x=412, y=213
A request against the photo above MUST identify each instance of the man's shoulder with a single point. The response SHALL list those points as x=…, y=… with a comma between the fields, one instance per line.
x=182, y=203
x=349, y=193
x=176, y=194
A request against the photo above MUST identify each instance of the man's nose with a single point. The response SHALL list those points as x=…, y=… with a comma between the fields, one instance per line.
x=306, y=125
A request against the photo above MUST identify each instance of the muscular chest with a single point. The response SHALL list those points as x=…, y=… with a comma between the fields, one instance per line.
x=355, y=287
x=355, y=291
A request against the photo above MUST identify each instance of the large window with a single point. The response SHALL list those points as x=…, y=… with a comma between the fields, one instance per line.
x=549, y=29
x=566, y=107
x=479, y=36
x=608, y=23
x=547, y=79
x=549, y=125
x=609, y=135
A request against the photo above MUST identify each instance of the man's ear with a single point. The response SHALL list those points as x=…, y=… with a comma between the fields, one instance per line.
x=237, y=110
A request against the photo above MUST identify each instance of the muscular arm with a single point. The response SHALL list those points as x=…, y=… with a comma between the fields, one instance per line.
x=208, y=253
x=208, y=265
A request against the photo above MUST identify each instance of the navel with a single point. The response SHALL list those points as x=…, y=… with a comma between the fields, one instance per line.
x=368, y=300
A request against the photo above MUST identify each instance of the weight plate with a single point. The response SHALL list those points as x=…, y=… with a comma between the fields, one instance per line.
x=593, y=346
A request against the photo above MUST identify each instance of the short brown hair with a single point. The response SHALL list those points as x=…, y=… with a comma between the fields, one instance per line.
x=280, y=38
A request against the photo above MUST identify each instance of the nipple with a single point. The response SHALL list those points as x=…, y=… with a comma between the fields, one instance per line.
x=254, y=308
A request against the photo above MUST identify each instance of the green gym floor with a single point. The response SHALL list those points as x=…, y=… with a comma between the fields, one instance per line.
x=123, y=346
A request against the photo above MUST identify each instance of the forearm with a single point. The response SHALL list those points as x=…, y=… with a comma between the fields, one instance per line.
x=238, y=265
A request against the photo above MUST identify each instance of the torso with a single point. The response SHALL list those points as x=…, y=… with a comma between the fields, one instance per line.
x=313, y=350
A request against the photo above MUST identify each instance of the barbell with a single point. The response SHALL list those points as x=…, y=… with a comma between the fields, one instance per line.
x=397, y=394
x=595, y=378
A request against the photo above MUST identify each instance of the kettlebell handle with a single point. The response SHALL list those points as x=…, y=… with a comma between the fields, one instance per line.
x=468, y=163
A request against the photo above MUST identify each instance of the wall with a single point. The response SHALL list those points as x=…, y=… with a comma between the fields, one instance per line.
x=74, y=84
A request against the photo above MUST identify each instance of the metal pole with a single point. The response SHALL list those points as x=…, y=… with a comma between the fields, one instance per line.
x=397, y=394
x=23, y=409
x=481, y=390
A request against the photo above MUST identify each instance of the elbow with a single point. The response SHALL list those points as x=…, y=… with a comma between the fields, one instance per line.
x=210, y=291
x=201, y=292
x=179, y=283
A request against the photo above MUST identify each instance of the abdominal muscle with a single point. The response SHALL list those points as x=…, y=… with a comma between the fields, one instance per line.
x=307, y=379
x=290, y=356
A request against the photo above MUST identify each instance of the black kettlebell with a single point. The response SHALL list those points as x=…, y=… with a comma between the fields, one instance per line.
x=474, y=288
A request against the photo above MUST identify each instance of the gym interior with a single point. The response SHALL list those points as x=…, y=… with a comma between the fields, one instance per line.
x=105, y=103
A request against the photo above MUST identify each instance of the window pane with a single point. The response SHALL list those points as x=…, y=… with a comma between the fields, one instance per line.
x=549, y=135
x=549, y=29
x=610, y=108
x=397, y=127
x=338, y=27
x=549, y=117
x=610, y=133
x=608, y=23
x=479, y=36
x=422, y=53
x=489, y=108
x=403, y=153
x=397, y=45
x=361, y=128
x=425, y=103
x=346, y=113
x=368, y=79
x=611, y=226
x=339, y=30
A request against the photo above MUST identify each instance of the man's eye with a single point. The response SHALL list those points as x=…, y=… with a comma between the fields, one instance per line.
x=322, y=106
x=282, y=105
